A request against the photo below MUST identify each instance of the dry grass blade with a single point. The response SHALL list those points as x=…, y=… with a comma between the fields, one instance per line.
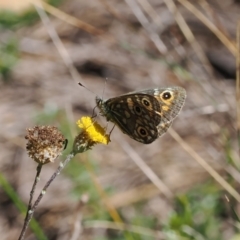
x=150, y=10
x=211, y=13
x=147, y=170
x=123, y=227
x=77, y=221
x=189, y=36
x=238, y=84
x=131, y=196
x=67, y=18
x=58, y=43
x=205, y=165
x=223, y=38
x=233, y=172
x=111, y=10
x=145, y=23
x=111, y=209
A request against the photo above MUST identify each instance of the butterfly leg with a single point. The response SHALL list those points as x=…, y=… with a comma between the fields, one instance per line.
x=112, y=130
x=93, y=113
x=65, y=144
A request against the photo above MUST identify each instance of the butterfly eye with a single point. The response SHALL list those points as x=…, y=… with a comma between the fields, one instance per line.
x=167, y=95
x=137, y=109
x=142, y=131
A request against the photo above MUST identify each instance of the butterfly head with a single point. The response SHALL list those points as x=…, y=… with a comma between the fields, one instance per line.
x=104, y=111
x=99, y=101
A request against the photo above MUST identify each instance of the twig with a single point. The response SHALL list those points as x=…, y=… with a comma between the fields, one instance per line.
x=26, y=222
x=31, y=209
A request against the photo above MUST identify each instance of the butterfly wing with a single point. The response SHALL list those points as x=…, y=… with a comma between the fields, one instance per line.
x=137, y=115
x=171, y=101
x=144, y=115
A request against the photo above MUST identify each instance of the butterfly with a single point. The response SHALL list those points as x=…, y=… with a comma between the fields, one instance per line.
x=144, y=115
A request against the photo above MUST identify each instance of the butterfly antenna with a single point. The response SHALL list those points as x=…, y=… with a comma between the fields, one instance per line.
x=80, y=84
x=93, y=112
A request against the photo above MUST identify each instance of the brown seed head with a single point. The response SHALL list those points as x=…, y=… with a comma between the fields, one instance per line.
x=45, y=143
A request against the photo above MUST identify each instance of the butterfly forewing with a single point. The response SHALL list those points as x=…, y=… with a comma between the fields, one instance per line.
x=137, y=115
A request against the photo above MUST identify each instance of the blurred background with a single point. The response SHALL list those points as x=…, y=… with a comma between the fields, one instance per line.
x=46, y=48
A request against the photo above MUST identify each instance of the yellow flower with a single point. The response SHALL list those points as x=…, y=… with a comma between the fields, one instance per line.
x=91, y=134
x=95, y=132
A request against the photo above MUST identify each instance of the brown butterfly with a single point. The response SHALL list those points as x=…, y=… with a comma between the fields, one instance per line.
x=144, y=115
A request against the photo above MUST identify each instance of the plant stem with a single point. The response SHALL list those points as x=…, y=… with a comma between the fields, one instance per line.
x=27, y=218
x=32, y=208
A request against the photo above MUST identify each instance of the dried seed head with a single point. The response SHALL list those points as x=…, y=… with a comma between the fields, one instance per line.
x=45, y=143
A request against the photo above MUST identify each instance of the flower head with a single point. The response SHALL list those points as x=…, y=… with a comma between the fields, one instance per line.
x=91, y=134
x=45, y=143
